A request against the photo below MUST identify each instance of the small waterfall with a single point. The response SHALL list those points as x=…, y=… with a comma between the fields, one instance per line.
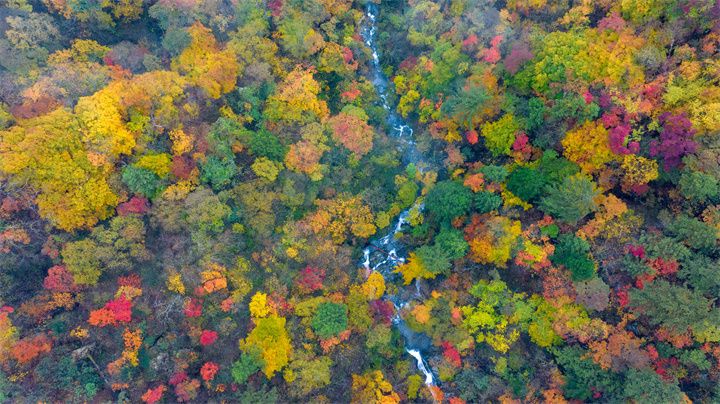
x=366, y=259
x=402, y=219
x=429, y=378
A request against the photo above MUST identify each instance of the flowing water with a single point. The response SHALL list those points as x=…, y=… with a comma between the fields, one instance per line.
x=384, y=253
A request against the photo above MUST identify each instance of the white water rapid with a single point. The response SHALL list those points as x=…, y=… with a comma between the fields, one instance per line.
x=383, y=254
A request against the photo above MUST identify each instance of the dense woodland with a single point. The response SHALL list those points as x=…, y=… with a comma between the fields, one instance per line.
x=187, y=186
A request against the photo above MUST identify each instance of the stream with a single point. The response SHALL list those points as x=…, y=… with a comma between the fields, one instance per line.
x=385, y=252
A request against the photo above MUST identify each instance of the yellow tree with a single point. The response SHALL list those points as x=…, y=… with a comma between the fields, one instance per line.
x=47, y=152
x=296, y=99
x=588, y=147
x=104, y=115
x=273, y=342
x=341, y=217
x=181, y=142
x=638, y=170
x=8, y=336
x=374, y=286
x=413, y=269
x=492, y=239
x=372, y=388
x=153, y=94
x=205, y=64
x=102, y=121
x=259, y=306
x=487, y=320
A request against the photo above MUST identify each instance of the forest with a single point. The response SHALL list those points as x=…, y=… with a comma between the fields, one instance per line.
x=360, y=201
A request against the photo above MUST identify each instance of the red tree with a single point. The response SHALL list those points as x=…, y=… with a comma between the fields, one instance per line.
x=451, y=354
x=115, y=311
x=209, y=370
x=193, y=308
x=136, y=204
x=152, y=396
x=310, y=279
x=30, y=348
x=208, y=337
x=59, y=279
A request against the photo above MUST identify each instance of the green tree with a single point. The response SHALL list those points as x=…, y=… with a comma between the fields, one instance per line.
x=204, y=212
x=359, y=317
x=452, y=242
x=78, y=379
x=205, y=216
x=26, y=40
x=526, y=183
x=407, y=193
x=249, y=363
x=694, y=233
x=583, y=377
x=535, y=115
x=115, y=246
x=573, y=253
x=472, y=384
x=80, y=259
x=496, y=174
x=175, y=40
x=330, y=319
x=379, y=340
x=467, y=106
x=486, y=202
x=555, y=168
x=217, y=172
x=309, y=374
x=700, y=272
x=433, y=259
x=571, y=200
x=261, y=394
x=646, y=386
x=698, y=186
x=265, y=144
x=677, y=309
x=297, y=35
x=142, y=181
x=448, y=200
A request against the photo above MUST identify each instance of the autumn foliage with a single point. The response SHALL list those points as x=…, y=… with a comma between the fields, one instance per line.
x=331, y=201
x=114, y=312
